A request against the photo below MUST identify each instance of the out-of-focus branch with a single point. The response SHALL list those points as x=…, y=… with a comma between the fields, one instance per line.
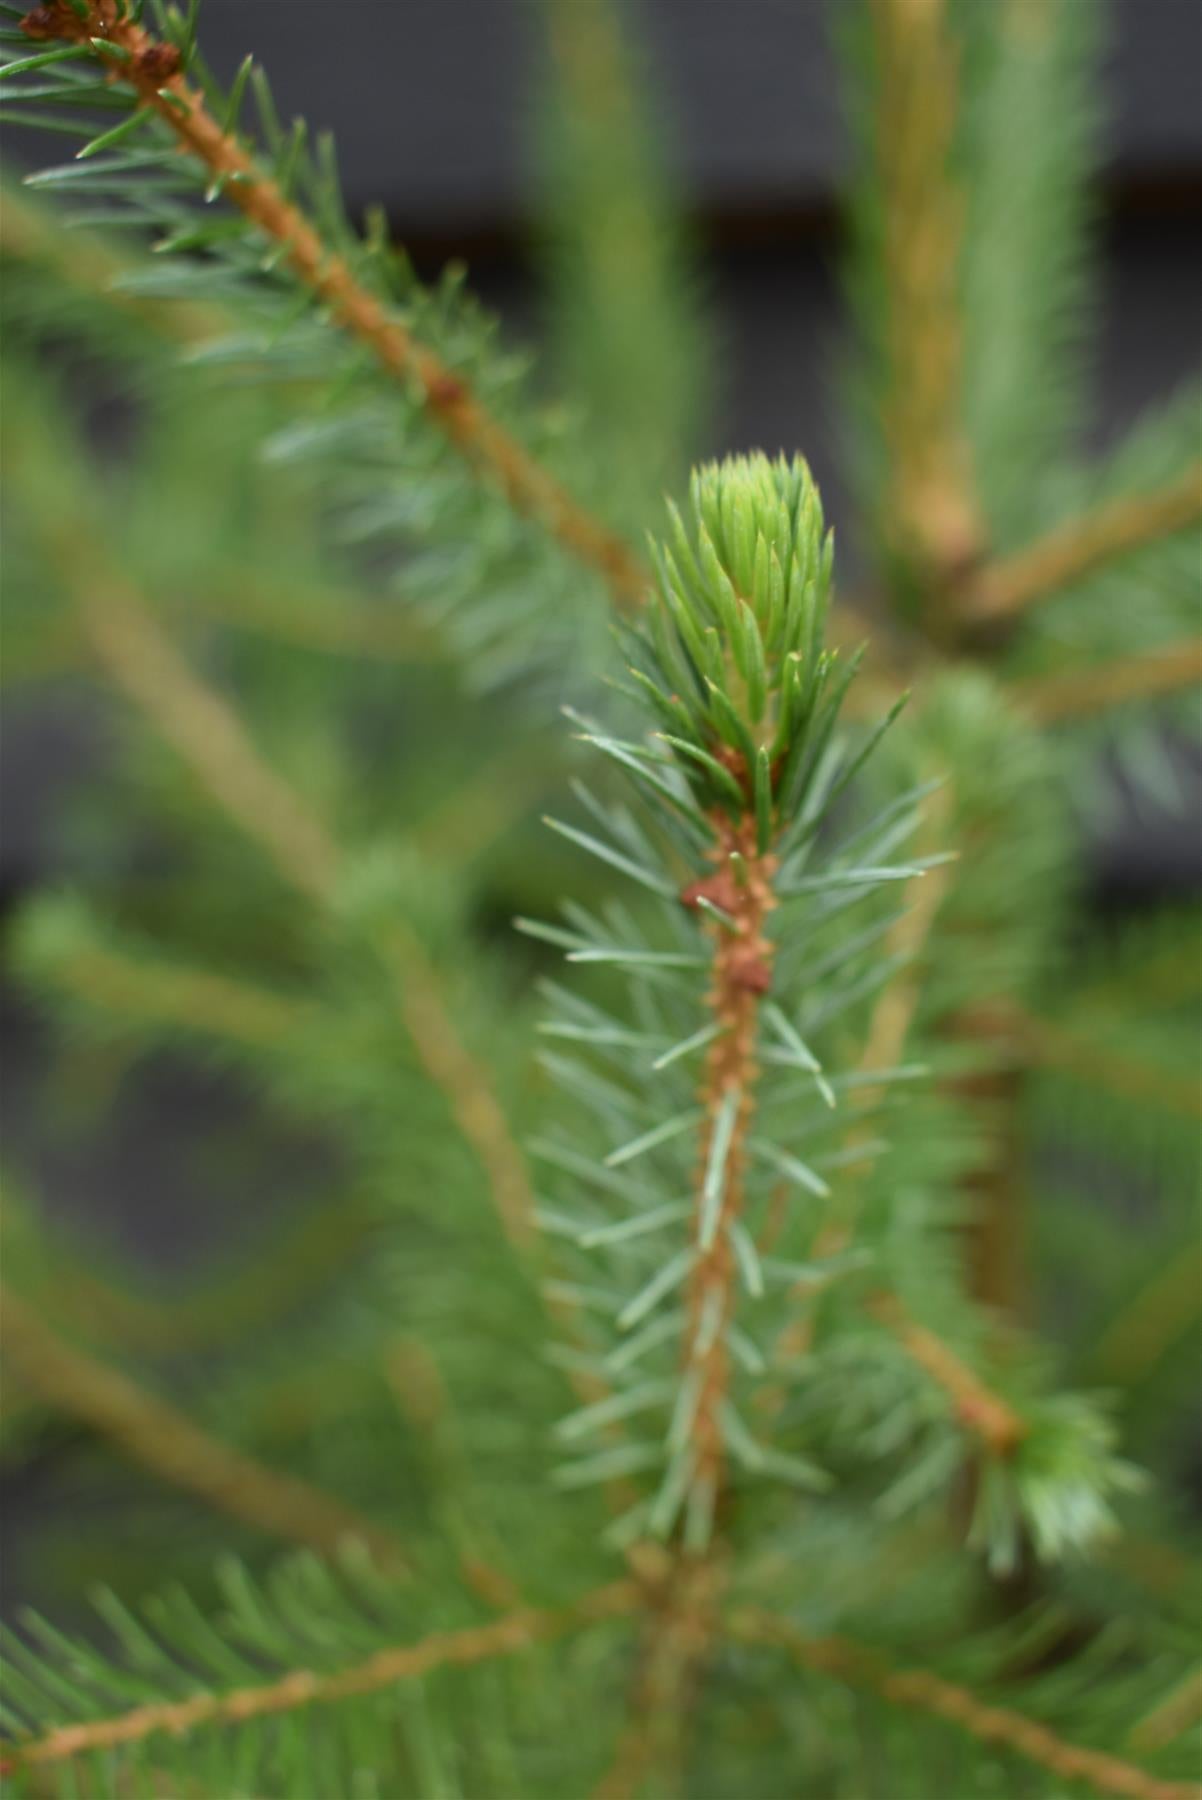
x=681, y=1626
x=1052, y=1047
x=1165, y=670
x=199, y=727
x=421, y=1396
x=341, y=625
x=1148, y=1324
x=862, y=1667
x=977, y=1406
x=1075, y=550
x=153, y=1434
x=134, y=56
x=1177, y=1712
x=90, y=267
x=931, y=514
x=211, y=740
x=175, y=995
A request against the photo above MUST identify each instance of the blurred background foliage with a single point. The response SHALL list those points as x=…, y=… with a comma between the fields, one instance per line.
x=310, y=675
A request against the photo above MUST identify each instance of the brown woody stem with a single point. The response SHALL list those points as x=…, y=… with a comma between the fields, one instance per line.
x=507, y=1636
x=978, y=1408
x=1075, y=550
x=681, y=1624
x=143, y=61
x=683, y=1616
x=742, y=973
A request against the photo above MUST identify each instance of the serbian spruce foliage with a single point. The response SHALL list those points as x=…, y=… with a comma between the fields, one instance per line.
x=712, y=1104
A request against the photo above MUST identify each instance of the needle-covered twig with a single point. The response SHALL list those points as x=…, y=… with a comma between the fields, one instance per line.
x=1073, y=551
x=153, y=71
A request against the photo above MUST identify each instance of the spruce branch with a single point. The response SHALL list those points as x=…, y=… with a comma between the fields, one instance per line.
x=1032, y=114
x=681, y=1627
x=977, y=1407
x=1078, y=1053
x=861, y=1667
x=247, y=602
x=336, y=624
x=1162, y=1311
x=889, y=1028
x=211, y=741
x=741, y=976
x=1072, y=551
x=732, y=665
x=422, y=1399
x=143, y=664
x=128, y=1318
x=153, y=73
x=908, y=281
x=59, y=948
x=152, y=1433
x=93, y=270
x=476, y=1644
x=1179, y=1711
x=1146, y=675
x=625, y=325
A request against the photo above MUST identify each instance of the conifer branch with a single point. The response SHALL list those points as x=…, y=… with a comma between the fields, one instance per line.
x=144, y=665
x=931, y=514
x=1029, y=153
x=341, y=625
x=1144, y=676
x=152, y=69
x=170, y=1324
x=1170, y=973
x=1179, y=1711
x=92, y=268
x=1160, y=1312
x=175, y=995
x=1051, y=1046
x=155, y=1435
x=732, y=663
x=464, y=1081
x=626, y=335
x=417, y=1386
x=1075, y=550
x=978, y=1408
x=209, y=738
x=864, y=1668
x=476, y=1644
x=884, y=1044
x=680, y=1628
x=247, y=602
x=741, y=975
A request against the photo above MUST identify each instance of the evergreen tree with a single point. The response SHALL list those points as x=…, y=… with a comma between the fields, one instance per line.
x=641, y=1392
